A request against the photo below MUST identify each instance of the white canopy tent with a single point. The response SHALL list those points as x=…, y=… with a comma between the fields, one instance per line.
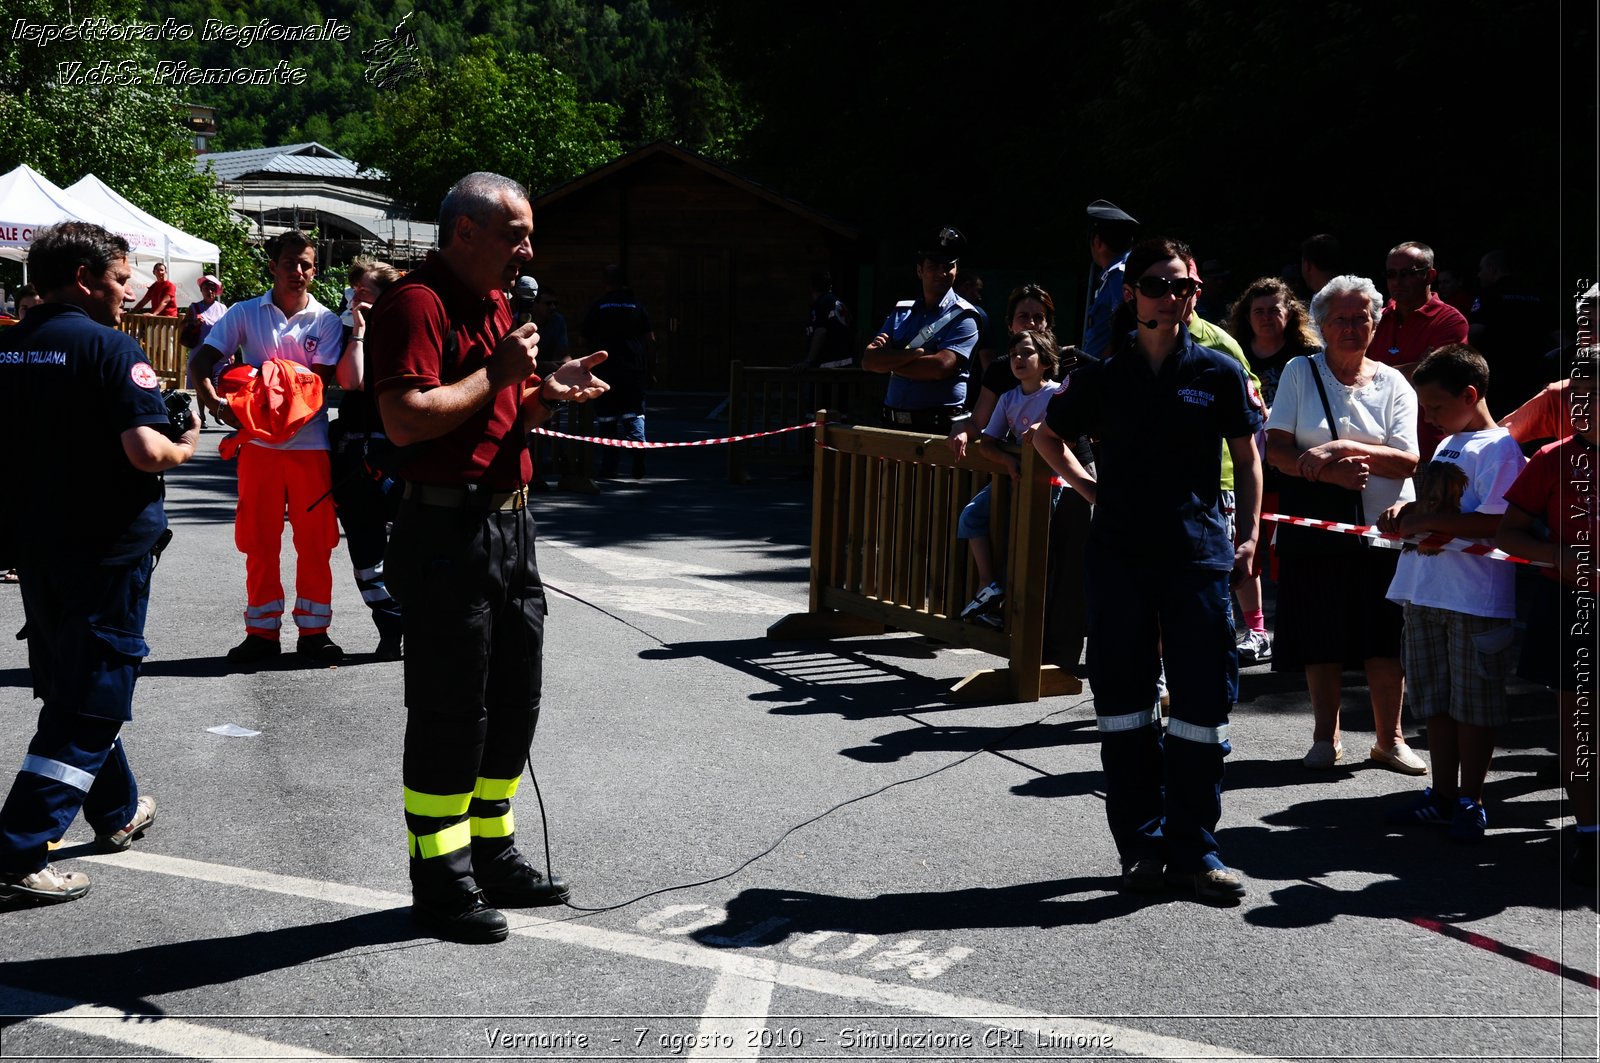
x=179, y=245
x=29, y=201
x=185, y=255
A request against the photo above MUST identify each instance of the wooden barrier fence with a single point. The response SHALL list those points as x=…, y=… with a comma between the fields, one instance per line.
x=159, y=338
x=762, y=398
x=884, y=553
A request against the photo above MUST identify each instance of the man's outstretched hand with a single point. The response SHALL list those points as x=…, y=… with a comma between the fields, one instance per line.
x=574, y=381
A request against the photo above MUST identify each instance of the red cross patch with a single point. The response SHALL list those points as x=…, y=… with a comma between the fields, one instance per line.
x=144, y=376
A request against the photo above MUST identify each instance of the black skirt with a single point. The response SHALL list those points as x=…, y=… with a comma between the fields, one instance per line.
x=1335, y=610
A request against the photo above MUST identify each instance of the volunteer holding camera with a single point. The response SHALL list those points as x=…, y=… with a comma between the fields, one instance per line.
x=85, y=569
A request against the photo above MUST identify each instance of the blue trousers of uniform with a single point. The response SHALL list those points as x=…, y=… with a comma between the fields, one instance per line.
x=1163, y=793
x=85, y=628
x=619, y=426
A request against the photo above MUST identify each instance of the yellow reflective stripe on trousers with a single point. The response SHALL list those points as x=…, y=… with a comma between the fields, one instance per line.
x=456, y=836
x=493, y=826
x=436, y=806
x=496, y=789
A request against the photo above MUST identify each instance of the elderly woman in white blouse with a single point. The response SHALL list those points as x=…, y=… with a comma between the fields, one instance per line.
x=1333, y=612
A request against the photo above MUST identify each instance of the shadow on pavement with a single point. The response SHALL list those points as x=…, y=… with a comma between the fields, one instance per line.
x=934, y=738
x=818, y=678
x=1414, y=871
x=131, y=978
x=761, y=917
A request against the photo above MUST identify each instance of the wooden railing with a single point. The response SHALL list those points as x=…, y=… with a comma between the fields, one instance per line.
x=884, y=553
x=762, y=398
x=159, y=338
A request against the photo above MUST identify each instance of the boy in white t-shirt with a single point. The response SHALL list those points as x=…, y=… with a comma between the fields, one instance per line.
x=1035, y=360
x=1458, y=607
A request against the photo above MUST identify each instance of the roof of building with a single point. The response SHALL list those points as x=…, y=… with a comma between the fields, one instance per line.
x=699, y=162
x=304, y=160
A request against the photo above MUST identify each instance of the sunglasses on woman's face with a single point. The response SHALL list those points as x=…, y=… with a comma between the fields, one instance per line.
x=1156, y=287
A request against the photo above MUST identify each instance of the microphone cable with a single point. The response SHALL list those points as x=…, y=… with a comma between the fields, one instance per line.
x=585, y=910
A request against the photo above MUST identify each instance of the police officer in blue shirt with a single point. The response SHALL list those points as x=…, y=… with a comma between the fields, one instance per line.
x=926, y=345
x=1110, y=237
x=85, y=570
x=1159, y=564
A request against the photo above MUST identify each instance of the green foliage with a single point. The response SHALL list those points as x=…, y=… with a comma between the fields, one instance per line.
x=132, y=142
x=651, y=61
x=329, y=289
x=489, y=110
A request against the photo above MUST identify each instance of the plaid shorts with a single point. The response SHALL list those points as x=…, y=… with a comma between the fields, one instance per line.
x=1457, y=665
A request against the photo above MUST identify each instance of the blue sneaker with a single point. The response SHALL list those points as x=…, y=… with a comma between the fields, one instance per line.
x=1470, y=821
x=1424, y=809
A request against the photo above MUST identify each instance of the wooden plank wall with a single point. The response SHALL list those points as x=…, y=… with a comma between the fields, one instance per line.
x=729, y=268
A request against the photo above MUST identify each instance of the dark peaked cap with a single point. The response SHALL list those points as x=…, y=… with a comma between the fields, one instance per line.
x=947, y=245
x=1103, y=210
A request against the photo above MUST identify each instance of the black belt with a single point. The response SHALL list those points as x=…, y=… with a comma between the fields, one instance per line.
x=937, y=419
x=469, y=496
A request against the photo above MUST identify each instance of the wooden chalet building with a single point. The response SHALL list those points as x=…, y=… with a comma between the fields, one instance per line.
x=721, y=263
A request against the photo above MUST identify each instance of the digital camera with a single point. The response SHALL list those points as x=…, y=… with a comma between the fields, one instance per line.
x=178, y=409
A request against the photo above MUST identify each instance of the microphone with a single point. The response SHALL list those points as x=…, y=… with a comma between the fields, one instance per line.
x=1151, y=324
x=524, y=294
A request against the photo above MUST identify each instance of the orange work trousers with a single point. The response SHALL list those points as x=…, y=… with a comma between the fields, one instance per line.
x=270, y=480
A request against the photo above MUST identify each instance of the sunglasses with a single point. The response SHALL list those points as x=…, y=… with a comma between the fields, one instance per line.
x=1156, y=287
x=1414, y=271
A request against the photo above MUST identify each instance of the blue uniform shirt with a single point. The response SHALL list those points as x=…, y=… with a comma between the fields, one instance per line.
x=1107, y=297
x=1158, y=500
x=69, y=388
x=960, y=335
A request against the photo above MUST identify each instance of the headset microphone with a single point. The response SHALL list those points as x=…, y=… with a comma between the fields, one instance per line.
x=523, y=296
x=1151, y=324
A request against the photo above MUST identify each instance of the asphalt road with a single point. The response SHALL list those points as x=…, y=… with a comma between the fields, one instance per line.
x=728, y=901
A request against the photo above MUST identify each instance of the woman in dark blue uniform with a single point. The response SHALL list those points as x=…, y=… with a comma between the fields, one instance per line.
x=1159, y=559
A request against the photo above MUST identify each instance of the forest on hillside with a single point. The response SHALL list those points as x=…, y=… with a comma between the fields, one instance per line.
x=650, y=61
x=1243, y=125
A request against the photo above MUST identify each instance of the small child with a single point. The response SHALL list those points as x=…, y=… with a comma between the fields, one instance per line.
x=1035, y=361
x=1458, y=607
x=1552, y=516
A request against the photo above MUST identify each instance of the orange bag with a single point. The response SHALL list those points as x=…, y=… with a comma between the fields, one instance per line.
x=271, y=403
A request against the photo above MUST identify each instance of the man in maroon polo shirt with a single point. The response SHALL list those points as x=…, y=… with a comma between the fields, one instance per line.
x=456, y=388
x=1415, y=322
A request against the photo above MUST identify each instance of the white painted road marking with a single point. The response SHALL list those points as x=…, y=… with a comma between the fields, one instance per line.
x=632, y=565
x=156, y=1033
x=735, y=1015
x=686, y=589
x=671, y=602
x=906, y=953
x=680, y=953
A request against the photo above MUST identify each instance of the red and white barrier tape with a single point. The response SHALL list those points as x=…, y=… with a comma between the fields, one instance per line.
x=1366, y=531
x=634, y=444
x=1396, y=542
